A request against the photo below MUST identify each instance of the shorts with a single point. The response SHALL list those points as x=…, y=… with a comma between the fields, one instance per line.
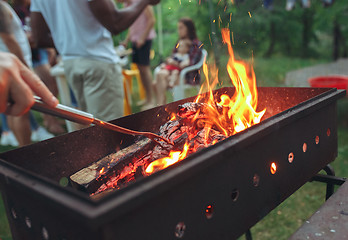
x=142, y=55
x=39, y=57
x=97, y=86
x=172, y=67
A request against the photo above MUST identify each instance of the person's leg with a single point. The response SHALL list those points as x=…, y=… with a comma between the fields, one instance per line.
x=4, y=125
x=20, y=126
x=146, y=79
x=161, y=85
x=7, y=136
x=173, y=78
x=42, y=69
x=141, y=57
x=74, y=75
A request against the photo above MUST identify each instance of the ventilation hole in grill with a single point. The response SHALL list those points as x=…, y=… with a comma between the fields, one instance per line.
x=304, y=147
x=235, y=194
x=180, y=230
x=64, y=181
x=256, y=180
x=209, y=211
x=273, y=168
x=328, y=132
x=317, y=140
x=14, y=214
x=28, y=222
x=45, y=233
x=291, y=157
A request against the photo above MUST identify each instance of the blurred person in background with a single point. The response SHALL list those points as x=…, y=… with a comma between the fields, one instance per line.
x=41, y=59
x=186, y=31
x=81, y=31
x=14, y=40
x=140, y=34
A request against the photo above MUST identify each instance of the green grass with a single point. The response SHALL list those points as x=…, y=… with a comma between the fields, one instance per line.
x=5, y=233
x=290, y=215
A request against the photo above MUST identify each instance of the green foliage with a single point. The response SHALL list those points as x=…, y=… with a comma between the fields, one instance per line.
x=255, y=30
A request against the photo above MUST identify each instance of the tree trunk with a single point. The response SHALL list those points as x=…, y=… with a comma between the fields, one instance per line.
x=306, y=22
x=336, y=40
x=272, y=42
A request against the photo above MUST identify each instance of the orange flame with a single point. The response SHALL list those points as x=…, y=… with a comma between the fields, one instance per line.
x=174, y=157
x=229, y=115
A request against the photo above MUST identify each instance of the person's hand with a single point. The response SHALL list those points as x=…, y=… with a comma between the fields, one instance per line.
x=17, y=84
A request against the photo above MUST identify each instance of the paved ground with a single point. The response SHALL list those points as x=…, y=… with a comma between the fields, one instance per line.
x=298, y=78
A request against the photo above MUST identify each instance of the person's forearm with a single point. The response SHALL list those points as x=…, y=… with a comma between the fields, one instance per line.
x=13, y=46
x=46, y=42
x=113, y=19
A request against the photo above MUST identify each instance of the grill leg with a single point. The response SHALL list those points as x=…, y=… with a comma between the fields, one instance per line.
x=248, y=235
x=330, y=179
x=330, y=187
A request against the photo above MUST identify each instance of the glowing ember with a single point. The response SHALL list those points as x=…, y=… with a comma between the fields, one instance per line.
x=174, y=157
x=273, y=168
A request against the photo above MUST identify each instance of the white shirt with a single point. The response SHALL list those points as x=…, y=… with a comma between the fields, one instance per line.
x=75, y=30
x=19, y=34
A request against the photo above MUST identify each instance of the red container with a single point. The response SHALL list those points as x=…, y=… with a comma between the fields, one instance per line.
x=339, y=82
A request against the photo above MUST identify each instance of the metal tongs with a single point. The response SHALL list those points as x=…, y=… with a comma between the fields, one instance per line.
x=85, y=118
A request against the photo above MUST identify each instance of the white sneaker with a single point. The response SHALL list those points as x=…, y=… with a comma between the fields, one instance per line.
x=8, y=138
x=40, y=134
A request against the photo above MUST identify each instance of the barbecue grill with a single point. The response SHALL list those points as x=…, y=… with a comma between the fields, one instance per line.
x=218, y=192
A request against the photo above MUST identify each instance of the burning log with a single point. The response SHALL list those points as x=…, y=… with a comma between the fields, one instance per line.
x=89, y=179
x=119, y=169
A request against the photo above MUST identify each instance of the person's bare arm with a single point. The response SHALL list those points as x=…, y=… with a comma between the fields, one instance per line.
x=150, y=23
x=41, y=35
x=7, y=35
x=17, y=83
x=13, y=46
x=117, y=20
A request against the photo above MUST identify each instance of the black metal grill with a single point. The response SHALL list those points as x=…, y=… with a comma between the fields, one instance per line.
x=216, y=193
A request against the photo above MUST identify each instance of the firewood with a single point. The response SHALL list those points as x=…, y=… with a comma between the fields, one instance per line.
x=192, y=127
x=89, y=179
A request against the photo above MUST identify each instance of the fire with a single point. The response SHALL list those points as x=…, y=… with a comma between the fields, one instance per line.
x=273, y=168
x=174, y=157
x=229, y=115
